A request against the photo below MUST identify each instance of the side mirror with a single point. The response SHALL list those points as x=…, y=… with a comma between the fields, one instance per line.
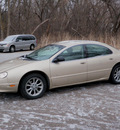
x=17, y=40
x=58, y=59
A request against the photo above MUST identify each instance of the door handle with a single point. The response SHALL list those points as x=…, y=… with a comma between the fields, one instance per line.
x=110, y=58
x=82, y=62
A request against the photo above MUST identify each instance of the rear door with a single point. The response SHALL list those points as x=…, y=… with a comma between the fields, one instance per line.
x=100, y=60
x=26, y=42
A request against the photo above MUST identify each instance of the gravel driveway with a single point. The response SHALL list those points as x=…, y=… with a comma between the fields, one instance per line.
x=8, y=56
x=94, y=106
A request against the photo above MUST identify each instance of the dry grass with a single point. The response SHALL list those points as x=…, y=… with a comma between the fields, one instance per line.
x=108, y=39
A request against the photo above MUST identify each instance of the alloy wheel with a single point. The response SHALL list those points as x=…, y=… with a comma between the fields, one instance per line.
x=117, y=74
x=34, y=86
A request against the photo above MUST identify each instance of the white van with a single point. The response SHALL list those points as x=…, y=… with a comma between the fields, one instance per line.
x=18, y=42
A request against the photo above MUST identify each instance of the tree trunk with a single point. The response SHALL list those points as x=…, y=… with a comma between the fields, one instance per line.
x=39, y=25
x=8, y=24
x=1, y=25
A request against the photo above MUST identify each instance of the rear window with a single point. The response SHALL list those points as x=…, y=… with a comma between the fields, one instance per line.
x=32, y=38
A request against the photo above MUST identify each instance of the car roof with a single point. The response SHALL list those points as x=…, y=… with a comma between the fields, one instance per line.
x=78, y=42
x=22, y=35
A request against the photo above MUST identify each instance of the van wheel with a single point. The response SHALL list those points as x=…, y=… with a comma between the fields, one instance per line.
x=33, y=86
x=32, y=47
x=12, y=49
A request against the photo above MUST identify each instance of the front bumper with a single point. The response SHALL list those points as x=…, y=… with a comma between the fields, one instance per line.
x=4, y=48
x=6, y=87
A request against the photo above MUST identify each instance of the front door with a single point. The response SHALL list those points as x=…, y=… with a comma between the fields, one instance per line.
x=20, y=43
x=71, y=71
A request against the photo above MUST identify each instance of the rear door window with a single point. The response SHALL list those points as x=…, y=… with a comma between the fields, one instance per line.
x=26, y=38
x=97, y=50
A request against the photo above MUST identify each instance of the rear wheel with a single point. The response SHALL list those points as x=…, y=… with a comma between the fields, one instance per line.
x=32, y=47
x=115, y=75
x=12, y=49
x=33, y=86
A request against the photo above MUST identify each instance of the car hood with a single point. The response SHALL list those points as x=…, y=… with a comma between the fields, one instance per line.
x=5, y=66
x=4, y=42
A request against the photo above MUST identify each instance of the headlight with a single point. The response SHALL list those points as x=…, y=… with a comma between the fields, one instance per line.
x=3, y=75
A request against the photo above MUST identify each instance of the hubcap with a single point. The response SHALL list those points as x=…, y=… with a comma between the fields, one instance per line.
x=117, y=75
x=12, y=49
x=34, y=86
x=32, y=47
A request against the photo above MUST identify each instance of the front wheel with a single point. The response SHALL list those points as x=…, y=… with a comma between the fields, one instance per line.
x=115, y=75
x=33, y=86
x=12, y=49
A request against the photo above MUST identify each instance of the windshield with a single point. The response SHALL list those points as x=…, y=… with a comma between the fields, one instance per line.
x=45, y=52
x=10, y=38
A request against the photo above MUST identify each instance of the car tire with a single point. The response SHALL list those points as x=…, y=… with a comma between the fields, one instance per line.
x=115, y=75
x=12, y=49
x=32, y=47
x=33, y=86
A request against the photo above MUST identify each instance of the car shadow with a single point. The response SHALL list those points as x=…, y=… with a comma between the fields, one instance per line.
x=60, y=90
x=16, y=51
x=80, y=86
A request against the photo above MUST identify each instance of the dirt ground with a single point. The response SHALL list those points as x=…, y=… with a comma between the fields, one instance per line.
x=94, y=106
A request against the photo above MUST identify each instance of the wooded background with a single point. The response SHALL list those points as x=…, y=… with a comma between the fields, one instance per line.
x=76, y=18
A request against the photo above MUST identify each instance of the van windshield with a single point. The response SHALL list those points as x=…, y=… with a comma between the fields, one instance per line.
x=45, y=52
x=10, y=38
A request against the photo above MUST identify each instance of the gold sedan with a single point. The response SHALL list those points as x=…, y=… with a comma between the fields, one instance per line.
x=60, y=64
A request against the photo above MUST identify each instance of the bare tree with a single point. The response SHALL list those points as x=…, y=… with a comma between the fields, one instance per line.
x=1, y=24
x=8, y=24
x=77, y=17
